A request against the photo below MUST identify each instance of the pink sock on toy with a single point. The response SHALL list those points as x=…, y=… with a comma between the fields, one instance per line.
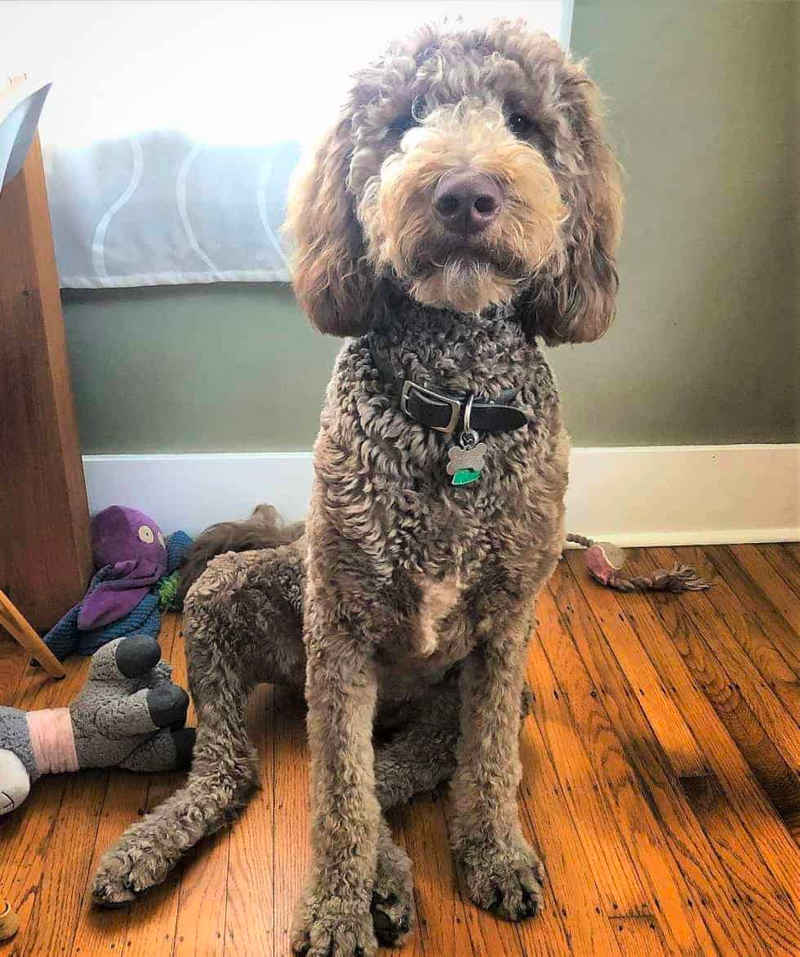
x=52, y=740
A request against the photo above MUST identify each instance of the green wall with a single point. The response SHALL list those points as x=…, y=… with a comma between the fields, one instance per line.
x=195, y=368
x=703, y=103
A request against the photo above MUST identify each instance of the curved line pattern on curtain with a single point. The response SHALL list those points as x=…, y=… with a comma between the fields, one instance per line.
x=180, y=198
x=99, y=238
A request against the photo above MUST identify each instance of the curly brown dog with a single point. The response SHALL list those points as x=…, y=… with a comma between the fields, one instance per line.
x=464, y=205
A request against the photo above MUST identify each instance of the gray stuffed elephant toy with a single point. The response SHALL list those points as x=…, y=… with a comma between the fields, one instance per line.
x=128, y=715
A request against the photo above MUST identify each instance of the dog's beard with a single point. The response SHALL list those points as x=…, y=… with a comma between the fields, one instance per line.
x=467, y=274
x=466, y=280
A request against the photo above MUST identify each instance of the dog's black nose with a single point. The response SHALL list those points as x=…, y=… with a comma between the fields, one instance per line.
x=467, y=202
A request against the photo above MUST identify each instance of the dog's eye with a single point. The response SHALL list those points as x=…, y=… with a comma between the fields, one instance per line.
x=402, y=124
x=519, y=124
x=419, y=109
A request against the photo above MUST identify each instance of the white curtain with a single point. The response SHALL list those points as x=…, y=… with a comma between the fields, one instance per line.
x=172, y=128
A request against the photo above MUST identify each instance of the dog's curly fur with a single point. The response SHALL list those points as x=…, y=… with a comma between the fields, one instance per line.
x=405, y=608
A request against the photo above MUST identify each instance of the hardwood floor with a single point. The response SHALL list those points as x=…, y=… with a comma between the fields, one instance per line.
x=660, y=789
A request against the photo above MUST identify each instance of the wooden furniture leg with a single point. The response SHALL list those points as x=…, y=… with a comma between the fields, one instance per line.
x=45, y=553
x=15, y=624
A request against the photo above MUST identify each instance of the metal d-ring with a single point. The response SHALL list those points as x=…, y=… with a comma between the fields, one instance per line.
x=468, y=438
x=468, y=412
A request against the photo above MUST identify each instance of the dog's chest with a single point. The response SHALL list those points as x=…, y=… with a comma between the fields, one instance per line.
x=433, y=635
x=428, y=629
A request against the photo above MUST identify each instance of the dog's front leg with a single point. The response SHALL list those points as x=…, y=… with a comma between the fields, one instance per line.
x=502, y=872
x=333, y=916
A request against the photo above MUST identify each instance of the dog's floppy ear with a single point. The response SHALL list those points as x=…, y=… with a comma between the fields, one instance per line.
x=573, y=299
x=332, y=282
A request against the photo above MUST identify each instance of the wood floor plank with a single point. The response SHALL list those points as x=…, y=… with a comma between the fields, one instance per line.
x=638, y=936
x=36, y=689
x=771, y=622
x=663, y=713
x=776, y=694
x=12, y=665
x=792, y=549
x=396, y=819
x=639, y=778
x=446, y=916
x=170, y=638
x=250, y=905
x=200, y=919
x=175, y=653
x=764, y=574
x=100, y=930
x=739, y=696
x=722, y=754
x=779, y=556
x=566, y=862
x=61, y=890
x=739, y=896
x=755, y=889
x=151, y=928
x=202, y=899
x=442, y=923
x=583, y=790
x=747, y=632
x=292, y=852
x=25, y=839
x=548, y=933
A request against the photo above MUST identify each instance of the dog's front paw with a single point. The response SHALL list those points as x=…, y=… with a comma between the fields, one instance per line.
x=505, y=879
x=327, y=926
x=393, y=896
x=125, y=871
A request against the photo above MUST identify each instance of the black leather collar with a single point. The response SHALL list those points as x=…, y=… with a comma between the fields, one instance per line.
x=448, y=410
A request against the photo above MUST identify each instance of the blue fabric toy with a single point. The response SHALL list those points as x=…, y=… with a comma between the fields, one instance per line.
x=72, y=636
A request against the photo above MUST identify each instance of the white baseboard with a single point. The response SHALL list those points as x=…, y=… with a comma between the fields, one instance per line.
x=672, y=495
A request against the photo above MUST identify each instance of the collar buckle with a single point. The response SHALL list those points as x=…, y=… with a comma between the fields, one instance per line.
x=436, y=397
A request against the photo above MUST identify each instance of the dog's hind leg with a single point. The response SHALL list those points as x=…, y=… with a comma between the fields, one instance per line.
x=239, y=630
x=418, y=757
x=423, y=753
x=222, y=773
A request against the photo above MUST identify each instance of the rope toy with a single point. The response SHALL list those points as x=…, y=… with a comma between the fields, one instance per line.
x=605, y=561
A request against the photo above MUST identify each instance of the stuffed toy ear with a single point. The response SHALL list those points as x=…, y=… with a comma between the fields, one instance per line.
x=574, y=298
x=332, y=282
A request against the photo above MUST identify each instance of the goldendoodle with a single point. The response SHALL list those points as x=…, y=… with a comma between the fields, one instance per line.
x=464, y=206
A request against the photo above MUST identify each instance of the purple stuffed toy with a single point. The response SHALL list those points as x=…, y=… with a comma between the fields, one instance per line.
x=132, y=559
x=134, y=546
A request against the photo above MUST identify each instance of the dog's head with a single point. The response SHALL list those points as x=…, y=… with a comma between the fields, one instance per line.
x=468, y=166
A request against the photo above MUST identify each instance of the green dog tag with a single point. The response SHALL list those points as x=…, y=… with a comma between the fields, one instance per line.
x=466, y=464
x=466, y=476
